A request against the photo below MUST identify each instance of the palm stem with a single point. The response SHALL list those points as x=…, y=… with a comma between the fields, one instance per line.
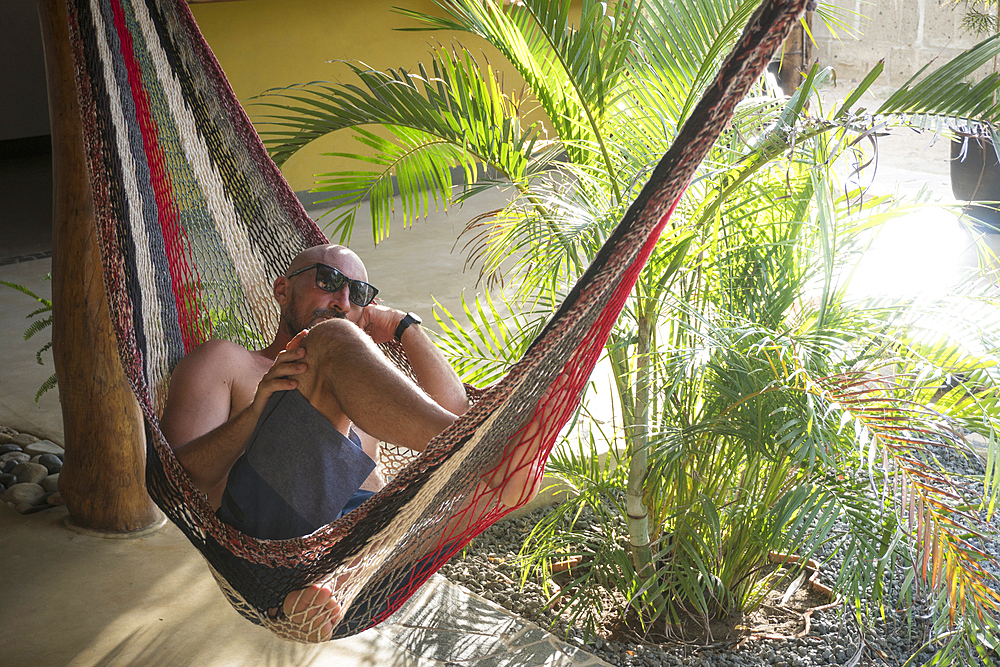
x=638, y=435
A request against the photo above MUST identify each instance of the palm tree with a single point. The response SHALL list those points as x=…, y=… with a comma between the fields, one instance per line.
x=724, y=303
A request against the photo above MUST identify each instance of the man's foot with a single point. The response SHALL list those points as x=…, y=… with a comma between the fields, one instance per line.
x=517, y=472
x=314, y=611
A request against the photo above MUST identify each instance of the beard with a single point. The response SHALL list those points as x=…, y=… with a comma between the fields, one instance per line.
x=294, y=323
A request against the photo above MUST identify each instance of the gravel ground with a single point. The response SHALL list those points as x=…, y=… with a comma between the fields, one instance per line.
x=487, y=568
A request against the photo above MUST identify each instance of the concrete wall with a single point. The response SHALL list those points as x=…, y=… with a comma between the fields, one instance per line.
x=263, y=44
x=907, y=34
x=268, y=43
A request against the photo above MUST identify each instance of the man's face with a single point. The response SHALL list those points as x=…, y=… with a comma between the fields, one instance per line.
x=307, y=304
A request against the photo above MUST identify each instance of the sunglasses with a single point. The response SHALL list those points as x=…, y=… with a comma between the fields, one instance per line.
x=330, y=279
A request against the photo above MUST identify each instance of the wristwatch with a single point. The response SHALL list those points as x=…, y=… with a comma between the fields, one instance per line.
x=410, y=318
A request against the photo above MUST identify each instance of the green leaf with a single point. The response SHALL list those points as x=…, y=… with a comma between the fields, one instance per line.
x=944, y=97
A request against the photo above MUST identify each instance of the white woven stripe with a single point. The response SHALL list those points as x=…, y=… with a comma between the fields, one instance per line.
x=249, y=265
x=155, y=353
x=408, y=521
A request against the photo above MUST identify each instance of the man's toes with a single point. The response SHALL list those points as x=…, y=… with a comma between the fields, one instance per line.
x=301, y=601
x=311, y=604
x=315, y=610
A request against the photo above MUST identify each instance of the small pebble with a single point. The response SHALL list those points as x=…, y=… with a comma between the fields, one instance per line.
x=51, y=483
x=24, y=439
x=18, y=457
x=23, y=493
x=8, y=480
x=51, y=462
x=9, y=447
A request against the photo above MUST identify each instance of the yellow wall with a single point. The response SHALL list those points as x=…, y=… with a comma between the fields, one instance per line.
x=264, y=44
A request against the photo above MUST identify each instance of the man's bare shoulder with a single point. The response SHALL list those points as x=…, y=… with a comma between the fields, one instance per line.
x=210, y=384
x=217, y=352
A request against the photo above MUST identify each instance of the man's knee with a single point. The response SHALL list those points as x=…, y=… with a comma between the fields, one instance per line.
x=332, y=347
x=333, y=338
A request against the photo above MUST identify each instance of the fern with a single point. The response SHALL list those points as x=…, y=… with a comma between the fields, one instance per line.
x=39, y=324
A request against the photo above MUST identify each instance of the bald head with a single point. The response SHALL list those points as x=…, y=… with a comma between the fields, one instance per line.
x=338, y=256
x=303, y=302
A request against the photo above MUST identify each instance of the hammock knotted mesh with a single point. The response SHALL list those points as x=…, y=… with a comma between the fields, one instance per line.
x=195, y=222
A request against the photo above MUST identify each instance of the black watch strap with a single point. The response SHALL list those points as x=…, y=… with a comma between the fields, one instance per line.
x=410, y=318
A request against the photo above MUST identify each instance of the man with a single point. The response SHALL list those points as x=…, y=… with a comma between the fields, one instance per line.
x=324, y=352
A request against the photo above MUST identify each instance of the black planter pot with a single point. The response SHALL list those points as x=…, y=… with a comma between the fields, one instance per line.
x=976, y=178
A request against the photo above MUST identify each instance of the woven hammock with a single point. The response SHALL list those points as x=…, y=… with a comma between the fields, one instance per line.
x=195, y=222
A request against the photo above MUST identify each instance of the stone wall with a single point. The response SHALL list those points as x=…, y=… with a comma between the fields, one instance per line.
x=907, y=34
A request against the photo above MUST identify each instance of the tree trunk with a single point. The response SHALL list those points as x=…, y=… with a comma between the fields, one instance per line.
x=103, y=478
x=638, y=440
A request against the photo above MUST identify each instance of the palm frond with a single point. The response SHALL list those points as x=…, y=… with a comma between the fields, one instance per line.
x=37, y=325
x=457, y=101
x=979, y=22
x=571, y=70
x=549, y=231
x=685, y=42
x=417, y=165
x=46, y=303
x=943, y=98
x=50, y=383
x=838, y=20
x=892, y=435
x=484, y=350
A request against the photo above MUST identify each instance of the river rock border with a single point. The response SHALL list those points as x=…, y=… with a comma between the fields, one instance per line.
x=29, y=471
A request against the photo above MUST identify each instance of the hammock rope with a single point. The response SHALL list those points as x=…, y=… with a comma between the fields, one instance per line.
x=195, y=222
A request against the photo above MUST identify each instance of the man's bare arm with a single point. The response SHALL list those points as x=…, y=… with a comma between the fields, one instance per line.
x=434, y=375
x=196, y=420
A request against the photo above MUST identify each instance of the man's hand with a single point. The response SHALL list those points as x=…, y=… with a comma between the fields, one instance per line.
x=380, y=322
x=279, y=376
x=434, y=375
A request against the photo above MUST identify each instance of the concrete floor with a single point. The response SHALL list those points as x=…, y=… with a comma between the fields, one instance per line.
x=75, y=599
x=83, y=601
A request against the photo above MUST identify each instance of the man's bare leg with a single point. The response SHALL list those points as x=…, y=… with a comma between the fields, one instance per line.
x=349, y=380
x=515, y=479
x=349, y=377
x=512, y=483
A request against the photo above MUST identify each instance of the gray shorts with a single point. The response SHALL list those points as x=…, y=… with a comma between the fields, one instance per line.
x=298, y=473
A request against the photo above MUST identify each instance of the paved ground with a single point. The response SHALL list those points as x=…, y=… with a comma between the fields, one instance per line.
x=74, y=599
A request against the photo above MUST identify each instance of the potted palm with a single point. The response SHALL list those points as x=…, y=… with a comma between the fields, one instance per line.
x=975, y=169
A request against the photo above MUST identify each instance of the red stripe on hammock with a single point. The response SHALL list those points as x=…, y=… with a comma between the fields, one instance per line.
x=186, y=294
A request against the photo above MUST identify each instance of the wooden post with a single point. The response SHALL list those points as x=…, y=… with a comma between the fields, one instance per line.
x=103, y=478
x=796, y=56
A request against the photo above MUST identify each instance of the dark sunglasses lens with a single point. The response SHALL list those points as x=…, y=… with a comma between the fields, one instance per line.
x=332, y=280
x=329, y=279
x=362, y=293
